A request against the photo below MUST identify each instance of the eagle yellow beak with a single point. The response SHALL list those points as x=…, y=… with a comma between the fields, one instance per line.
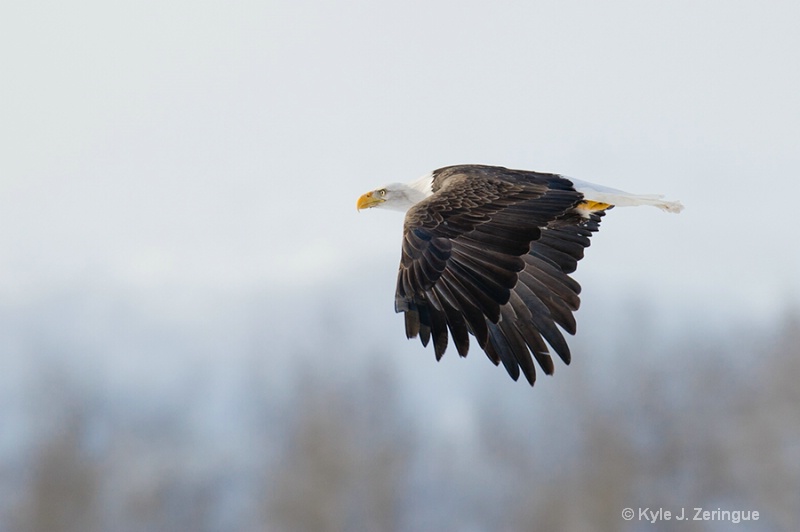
x=368, y=200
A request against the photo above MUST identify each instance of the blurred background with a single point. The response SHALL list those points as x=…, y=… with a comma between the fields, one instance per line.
x=197, y=328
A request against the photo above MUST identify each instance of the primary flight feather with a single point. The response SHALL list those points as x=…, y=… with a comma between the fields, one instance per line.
x=487, y=251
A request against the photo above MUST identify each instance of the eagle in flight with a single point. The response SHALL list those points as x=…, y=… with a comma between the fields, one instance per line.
x=487, y=251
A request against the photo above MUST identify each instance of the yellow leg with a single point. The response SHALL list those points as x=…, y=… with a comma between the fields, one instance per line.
x=593, y=206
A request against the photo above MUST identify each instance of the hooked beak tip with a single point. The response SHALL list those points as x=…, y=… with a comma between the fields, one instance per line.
x=366, y=201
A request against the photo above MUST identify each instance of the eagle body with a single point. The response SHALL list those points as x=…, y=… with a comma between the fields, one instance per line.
x=488, y=251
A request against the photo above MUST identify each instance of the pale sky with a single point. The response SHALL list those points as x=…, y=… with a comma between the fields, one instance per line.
x=222, y=145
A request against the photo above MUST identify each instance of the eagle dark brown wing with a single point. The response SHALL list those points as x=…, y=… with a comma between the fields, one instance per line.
x=489, y=254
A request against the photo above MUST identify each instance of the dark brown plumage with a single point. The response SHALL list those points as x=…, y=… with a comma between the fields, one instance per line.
x=489, y=254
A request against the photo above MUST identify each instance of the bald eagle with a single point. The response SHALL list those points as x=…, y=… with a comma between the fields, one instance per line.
x=487, y=251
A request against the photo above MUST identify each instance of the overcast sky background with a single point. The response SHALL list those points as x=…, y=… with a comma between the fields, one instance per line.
x=181, y=259
x=199, y=147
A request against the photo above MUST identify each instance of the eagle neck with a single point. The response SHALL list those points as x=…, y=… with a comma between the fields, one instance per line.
x=421, y=188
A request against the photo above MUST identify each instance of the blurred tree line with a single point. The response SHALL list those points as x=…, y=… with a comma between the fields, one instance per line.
x=704, y=422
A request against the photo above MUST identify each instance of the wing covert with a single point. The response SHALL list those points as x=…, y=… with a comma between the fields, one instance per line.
x=488, y=254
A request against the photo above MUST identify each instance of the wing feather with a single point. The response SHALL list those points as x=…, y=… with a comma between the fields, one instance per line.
x=456, y=319
x=531, y=336
x=475, y=317
x=503, y=350
x=489, y=254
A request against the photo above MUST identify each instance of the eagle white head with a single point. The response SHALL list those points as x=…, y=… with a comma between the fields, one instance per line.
x=397, y=196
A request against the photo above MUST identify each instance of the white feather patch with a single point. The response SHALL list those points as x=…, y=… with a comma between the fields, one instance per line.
x=424, y=184
x=620, y=198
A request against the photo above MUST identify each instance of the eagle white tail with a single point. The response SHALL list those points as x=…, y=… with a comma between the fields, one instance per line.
x=620, y=198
